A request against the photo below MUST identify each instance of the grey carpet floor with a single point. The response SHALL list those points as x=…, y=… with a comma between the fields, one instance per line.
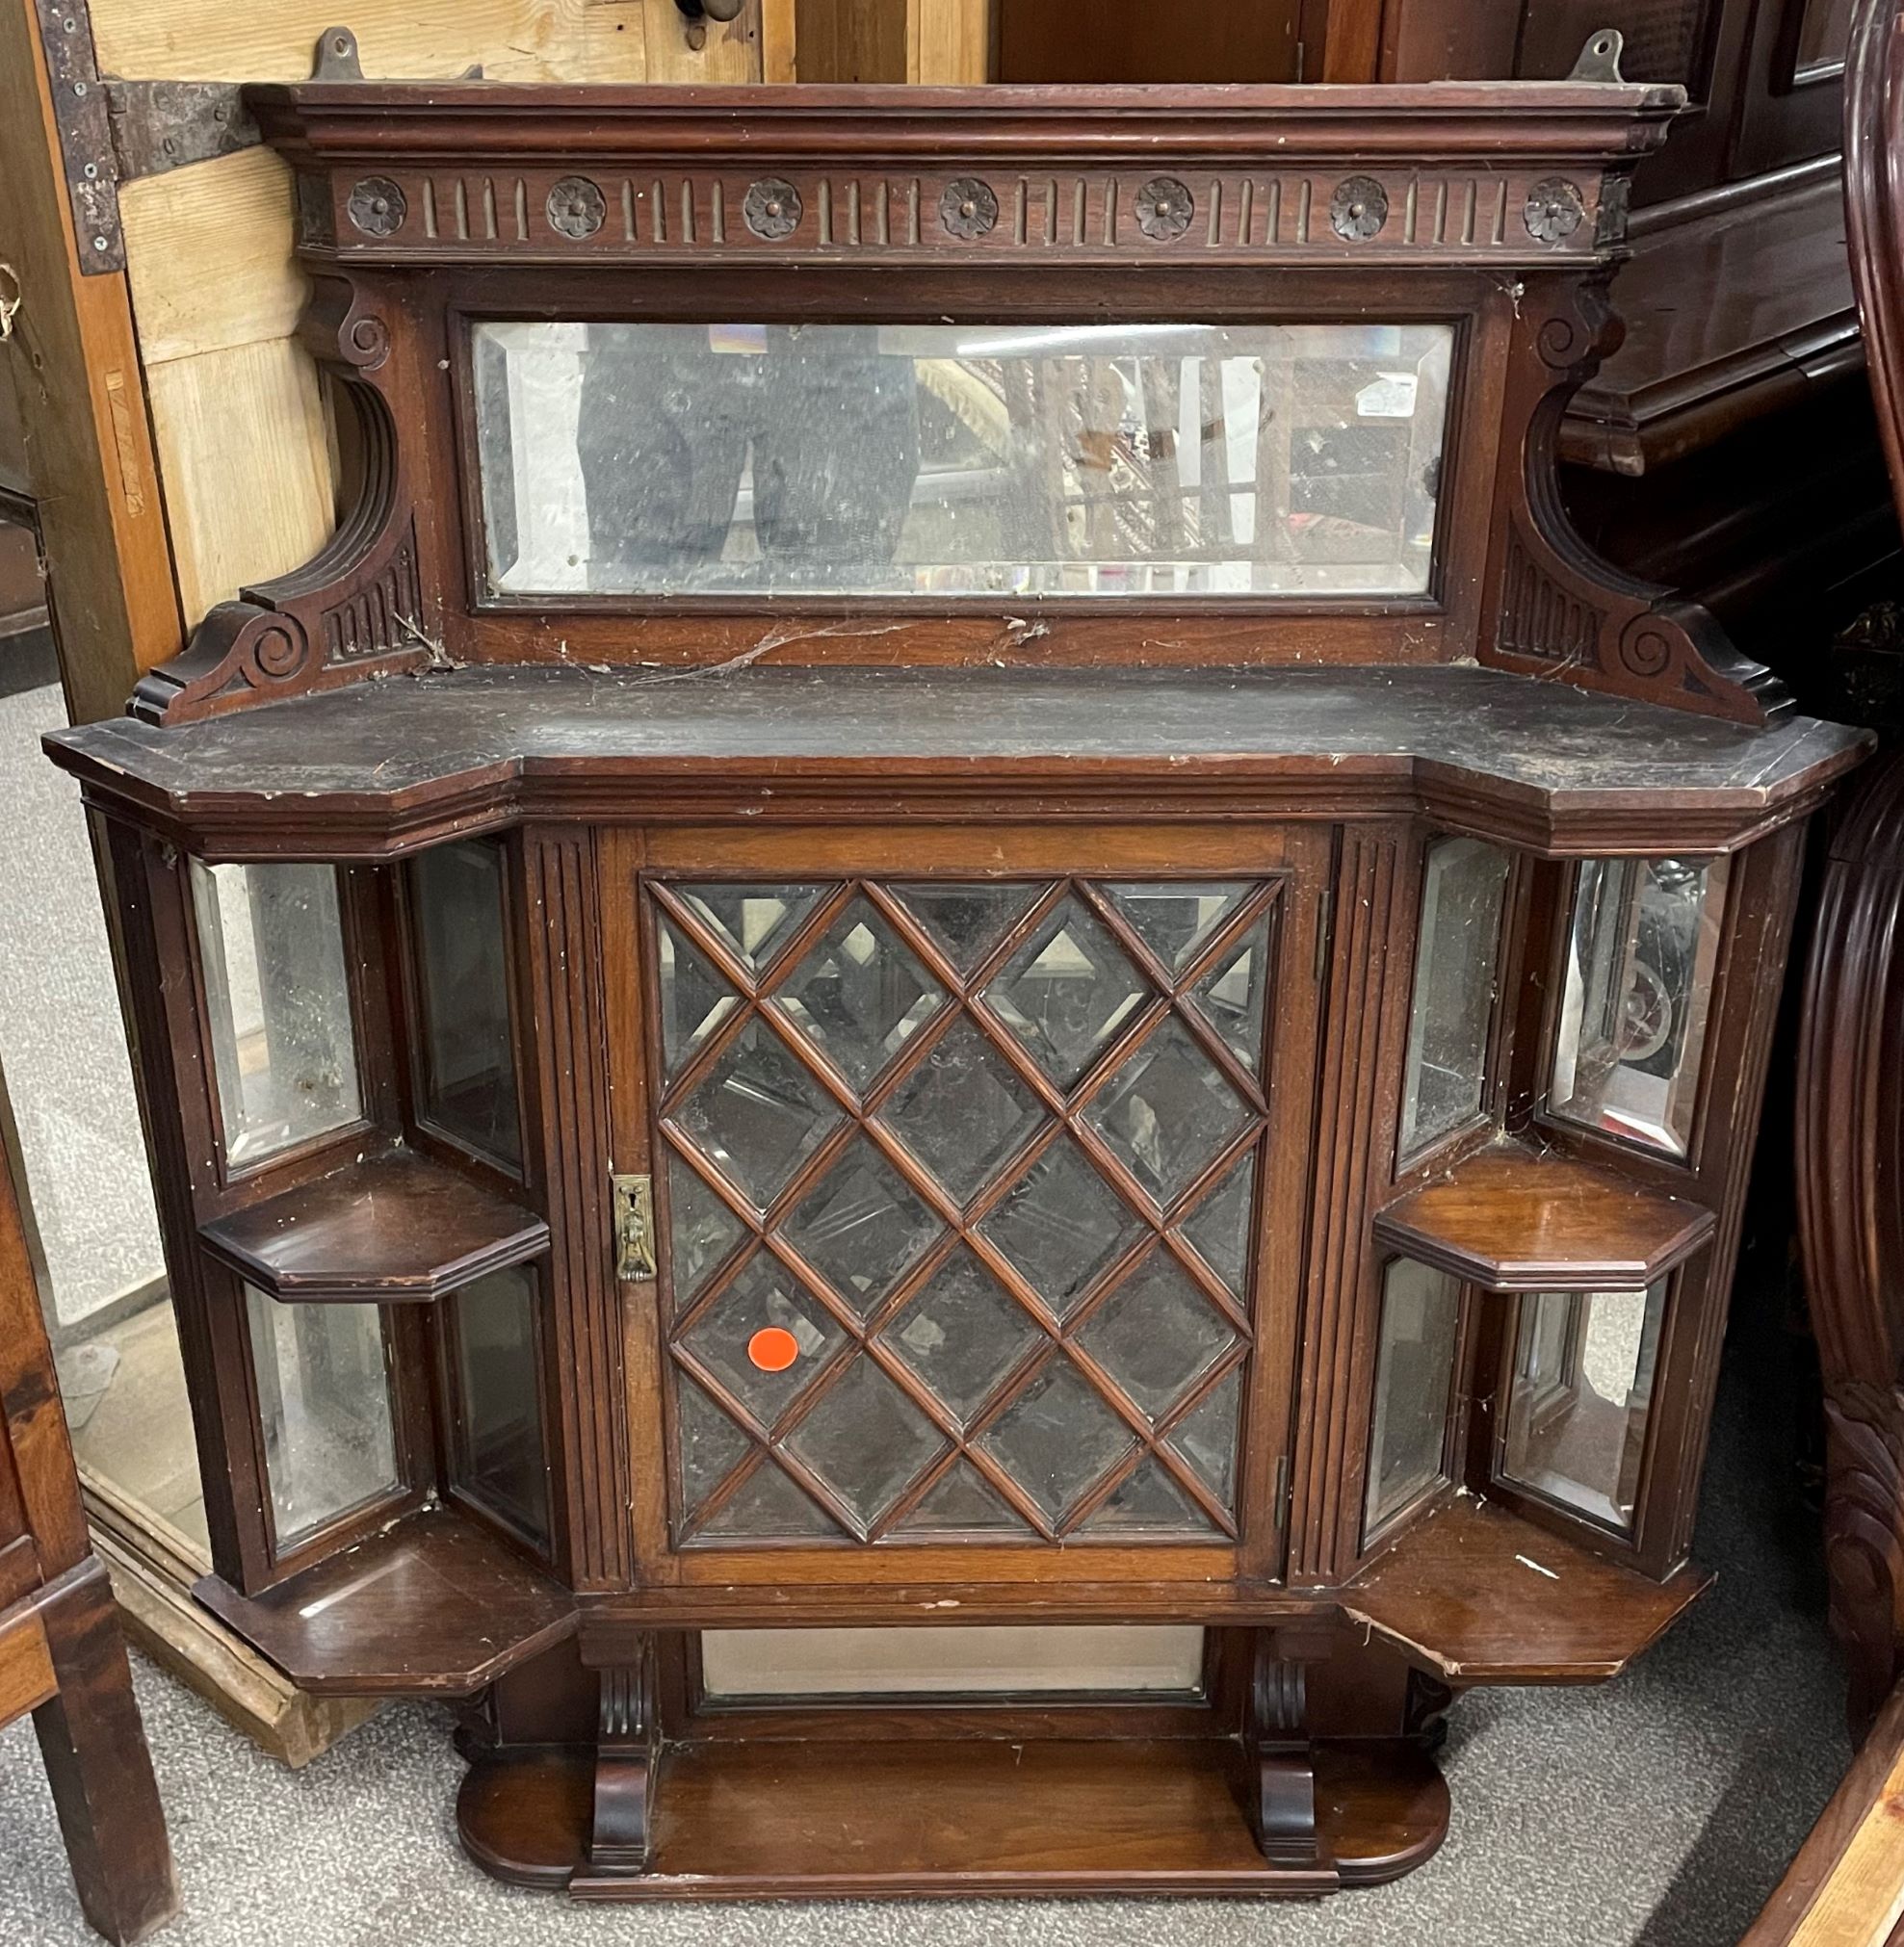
x=1658, y=1810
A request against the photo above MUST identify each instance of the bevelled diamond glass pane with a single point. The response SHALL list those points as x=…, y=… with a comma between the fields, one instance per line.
x=1067, y=991
x=765, y=1295
x=967, y=921
x=1056, y=1439
x=1176, y=921
x=769, y=1506
x=962, y=1503
x=1061, y=1223
x=1218, y=1227
x=709, y=1442
x=753, y=922
x=701, y=1229
x=863, y=1228
x=1149, y=1503
x=962, y=1112
x=1167, y=1111
x=859, y=994
x=694, y=1000
x=1233, y=996
x=757, y=1113
x=1156, y=1334
x=1206, y=1436
x=866, y=1439
x=962, y=1334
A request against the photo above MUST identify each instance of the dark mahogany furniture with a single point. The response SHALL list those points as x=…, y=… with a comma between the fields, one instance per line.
x=954, y=911
x=1850, y=1137
x=61, y=1653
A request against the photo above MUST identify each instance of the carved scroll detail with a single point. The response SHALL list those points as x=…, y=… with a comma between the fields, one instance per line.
x=362, y=604
x=1850, y=1158
x=626, y=1753
x=1558, y=610
x=1283, y=1776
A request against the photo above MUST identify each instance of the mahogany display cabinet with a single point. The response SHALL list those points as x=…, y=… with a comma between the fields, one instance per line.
x=952, y=1052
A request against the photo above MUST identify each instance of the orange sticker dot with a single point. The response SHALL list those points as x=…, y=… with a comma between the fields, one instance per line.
x=772, y=1348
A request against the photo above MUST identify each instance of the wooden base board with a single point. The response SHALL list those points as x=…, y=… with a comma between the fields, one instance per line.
x=963, y=1818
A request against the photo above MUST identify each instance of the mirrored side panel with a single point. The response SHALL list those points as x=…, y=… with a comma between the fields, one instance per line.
x=1456, y=972
x=466, y=1083
x=277, y=1004
x=499, y=1457
x=322, y=1375
x=1579, y=1398
x=1641, y=951
x=1414, y=1388
x=950, y=460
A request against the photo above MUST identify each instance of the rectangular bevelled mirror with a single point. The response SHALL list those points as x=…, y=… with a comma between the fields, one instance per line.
x=499, y=1458
x=277, y=1000
x=951, y=460
x=1641, y=951
x=323, y=1377
x=1456, y=958
x=1413, y=1389
x=1580, y=1395
x=466, y=1085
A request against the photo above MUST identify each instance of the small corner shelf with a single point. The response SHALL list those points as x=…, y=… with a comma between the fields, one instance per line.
x=1479, y=1596
x=393, y=1227
x=432, y=1606
x=1510, y=1220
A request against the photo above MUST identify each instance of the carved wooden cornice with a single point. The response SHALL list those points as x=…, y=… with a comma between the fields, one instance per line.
x=1510, y=174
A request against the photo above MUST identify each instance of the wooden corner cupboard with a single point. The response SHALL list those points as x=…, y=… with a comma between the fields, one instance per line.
x=952, y=1052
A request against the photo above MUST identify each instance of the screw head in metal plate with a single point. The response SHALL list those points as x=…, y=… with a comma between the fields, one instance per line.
x=772, y=208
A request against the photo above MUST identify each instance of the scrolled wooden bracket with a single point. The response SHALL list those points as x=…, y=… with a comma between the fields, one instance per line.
x=626, y=1750
x=361, y=607
x=1850, y=1161
x=1557, y=609
x=1282, y=1767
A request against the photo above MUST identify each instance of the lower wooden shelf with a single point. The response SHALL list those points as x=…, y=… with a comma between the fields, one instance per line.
x=954, y=1817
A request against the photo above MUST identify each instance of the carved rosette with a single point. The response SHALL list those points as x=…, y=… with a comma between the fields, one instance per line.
x=772, y=208
x=1165, y=208
x=1554, y=210
x=576, y=207
x=377, y=206
x=968, y=208
x=1358, y=209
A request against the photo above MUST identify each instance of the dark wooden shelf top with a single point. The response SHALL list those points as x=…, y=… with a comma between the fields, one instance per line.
x=1510, y=1220
x=393, y=1227
x=385, y=767
x=1483, y=1597
x=433, y=1605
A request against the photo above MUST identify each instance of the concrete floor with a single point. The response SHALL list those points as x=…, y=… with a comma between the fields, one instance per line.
x=1659, y=1810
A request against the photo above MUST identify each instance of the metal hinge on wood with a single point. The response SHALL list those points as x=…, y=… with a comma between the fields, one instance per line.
x=634, y=1229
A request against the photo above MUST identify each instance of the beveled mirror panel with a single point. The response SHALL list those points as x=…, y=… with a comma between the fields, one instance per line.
x=323, y=1403
x=270, y=946
x=1580, y=1397
x=1413, y=1389
x=499, y=1455
x=960, y=461
x=1641, y=953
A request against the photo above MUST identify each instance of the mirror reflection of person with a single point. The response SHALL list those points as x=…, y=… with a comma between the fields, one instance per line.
x=669, y=421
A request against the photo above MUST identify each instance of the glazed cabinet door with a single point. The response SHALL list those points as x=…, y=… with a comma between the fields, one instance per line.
x=979, y=1169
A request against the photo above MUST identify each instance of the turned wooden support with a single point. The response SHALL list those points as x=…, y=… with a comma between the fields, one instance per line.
x=626, y=1750
x=1282, y=1774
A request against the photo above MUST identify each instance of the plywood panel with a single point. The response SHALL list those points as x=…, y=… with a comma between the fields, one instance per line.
x=242, y=449
x=208, y=251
